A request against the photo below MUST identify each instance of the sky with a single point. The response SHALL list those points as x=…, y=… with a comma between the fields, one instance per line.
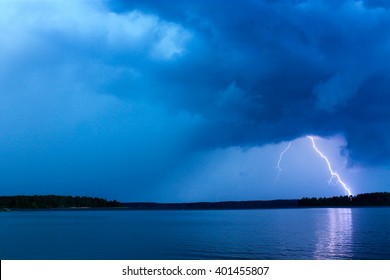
x=188, y=100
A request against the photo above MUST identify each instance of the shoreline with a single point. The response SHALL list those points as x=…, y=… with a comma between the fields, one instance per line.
x=68, y=203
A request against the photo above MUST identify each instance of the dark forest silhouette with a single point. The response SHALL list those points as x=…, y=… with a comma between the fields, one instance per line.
x=366, y=199
x=54, y=201
x=66, y=202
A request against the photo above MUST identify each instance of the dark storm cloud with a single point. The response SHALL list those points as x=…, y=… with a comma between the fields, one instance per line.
x=266, y=71
x=122, y=91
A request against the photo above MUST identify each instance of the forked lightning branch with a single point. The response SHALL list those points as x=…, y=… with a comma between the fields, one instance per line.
x=334, y=175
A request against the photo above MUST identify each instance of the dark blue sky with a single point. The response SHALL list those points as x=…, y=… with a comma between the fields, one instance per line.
x=193, y=100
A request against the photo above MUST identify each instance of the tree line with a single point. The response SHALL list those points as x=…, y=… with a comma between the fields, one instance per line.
x=366, y=199
x=54, y=201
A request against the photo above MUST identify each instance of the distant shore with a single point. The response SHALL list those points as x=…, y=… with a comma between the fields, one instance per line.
x=223, y=205
x=360, y=200
x=53, y=202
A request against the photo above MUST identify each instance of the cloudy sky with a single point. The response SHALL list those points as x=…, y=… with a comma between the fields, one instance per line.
x=188, y=100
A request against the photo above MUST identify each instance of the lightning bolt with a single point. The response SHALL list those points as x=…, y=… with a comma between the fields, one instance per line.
x=280, y=160
x=334, y=174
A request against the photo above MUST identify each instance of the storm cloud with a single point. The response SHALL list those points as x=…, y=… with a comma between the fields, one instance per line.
x=123, y=92
x=260, y=72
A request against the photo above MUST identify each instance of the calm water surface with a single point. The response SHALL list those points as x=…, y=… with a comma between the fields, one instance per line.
x=318, y=233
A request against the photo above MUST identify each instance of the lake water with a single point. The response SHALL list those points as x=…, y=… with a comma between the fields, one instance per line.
x=315, y=233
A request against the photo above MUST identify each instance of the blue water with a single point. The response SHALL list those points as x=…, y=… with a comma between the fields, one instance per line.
x=317, y=233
